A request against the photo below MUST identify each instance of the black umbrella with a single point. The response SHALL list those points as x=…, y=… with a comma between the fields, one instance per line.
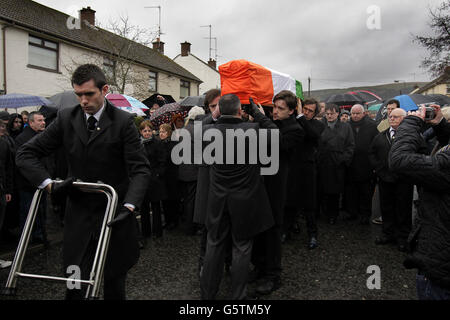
x=150, y=101
x=65, y=99
x=343, y=99
x=192, y=101
x=440, y=99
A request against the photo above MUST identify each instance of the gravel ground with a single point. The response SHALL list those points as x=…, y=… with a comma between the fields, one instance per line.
x=167, y=269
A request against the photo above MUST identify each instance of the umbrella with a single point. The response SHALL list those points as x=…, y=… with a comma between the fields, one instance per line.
x=367, y=96
x=122, y=100
x=150, y=101
x=135, y=110
x=165, y=113
x=65, y=99
x=192, y=101
x=440, y=99
x=342, y=99
x=375, y=107
x=18, y=100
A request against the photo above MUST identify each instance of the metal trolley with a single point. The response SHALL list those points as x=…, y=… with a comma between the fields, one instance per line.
x=96, y=273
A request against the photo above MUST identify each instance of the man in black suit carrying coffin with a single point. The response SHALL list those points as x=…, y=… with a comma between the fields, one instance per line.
x=238, y=206
x=101, y=143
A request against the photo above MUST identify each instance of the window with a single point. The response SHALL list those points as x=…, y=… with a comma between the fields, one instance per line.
x=153, y=81
x=109, y=67
x=184, y=88
x=42, y=54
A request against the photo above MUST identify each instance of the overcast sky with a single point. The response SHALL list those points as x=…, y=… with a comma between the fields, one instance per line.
x=328, y=40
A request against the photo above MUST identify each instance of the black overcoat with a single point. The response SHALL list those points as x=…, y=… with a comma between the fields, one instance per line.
x=281, y=187
x=157, y=157
x=364, y=131
x=112, y=155
x=238, y=190
x=334, y=155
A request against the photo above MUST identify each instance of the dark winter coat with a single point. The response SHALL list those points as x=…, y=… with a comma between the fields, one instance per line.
x=22, y=182
x=6, y=168
x=188, y=172
x=238, y=190
x=335, y=154
x=281, y=187
x=379, y=155
x=170, y=175
x=114, y=155
x=430, y=235
x=364, y=131
x=156, y=155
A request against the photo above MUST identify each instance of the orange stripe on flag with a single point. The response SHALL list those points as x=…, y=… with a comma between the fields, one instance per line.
x=247, y=79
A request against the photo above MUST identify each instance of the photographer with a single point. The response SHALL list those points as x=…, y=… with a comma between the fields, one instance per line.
x=429, y=240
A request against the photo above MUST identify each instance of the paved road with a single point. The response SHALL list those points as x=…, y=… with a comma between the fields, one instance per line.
x=337, y=269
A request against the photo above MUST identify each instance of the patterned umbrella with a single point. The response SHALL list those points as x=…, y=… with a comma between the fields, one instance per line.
x=122, y=100
x=17, y=100
x=165, y=113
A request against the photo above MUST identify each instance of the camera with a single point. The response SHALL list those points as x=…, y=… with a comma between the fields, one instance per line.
x=430, y=113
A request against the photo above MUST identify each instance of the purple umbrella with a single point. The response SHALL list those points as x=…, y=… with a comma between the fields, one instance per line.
x=17, y=100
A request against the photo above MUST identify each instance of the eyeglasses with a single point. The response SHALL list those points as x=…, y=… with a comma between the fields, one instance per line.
x=17, y=121
x=309, y=110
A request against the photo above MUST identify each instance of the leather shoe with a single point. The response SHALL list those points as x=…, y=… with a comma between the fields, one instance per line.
x=384, y=240
x=312, y=243
x=401, y=247
x=332, y=221
x=267, y=286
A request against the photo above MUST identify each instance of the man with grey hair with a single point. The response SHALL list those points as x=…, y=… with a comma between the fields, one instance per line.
x=395, y=194
x=360, y=186
x=238, y=205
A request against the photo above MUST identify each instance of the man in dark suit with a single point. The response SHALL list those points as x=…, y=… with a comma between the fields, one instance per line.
x=359, y=186
x=305, y=170
x=280, y=190
x=6, y=182
x=101, y=143
x=238, y=206
x=25, y=188
x=395, y=195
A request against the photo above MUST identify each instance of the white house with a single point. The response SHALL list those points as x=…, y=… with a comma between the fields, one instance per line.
x=40, y=47
x=205, y=71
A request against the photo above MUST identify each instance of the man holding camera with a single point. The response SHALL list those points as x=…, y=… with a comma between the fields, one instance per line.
x=430, y=237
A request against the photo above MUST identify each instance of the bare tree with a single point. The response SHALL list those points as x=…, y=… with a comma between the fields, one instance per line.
x=124, y=44
x=439, y=44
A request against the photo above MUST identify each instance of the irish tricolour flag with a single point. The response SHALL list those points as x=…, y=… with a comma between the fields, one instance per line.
x=247, y=79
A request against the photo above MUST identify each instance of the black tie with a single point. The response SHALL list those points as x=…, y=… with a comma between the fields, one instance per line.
x=91, y=122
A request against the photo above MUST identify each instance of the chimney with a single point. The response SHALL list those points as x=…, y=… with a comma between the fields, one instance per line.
x=185, y=49
x=88, y=14
x=158, y=45
x=212, y=63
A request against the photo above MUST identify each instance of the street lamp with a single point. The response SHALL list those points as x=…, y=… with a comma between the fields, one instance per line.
x=404, y=84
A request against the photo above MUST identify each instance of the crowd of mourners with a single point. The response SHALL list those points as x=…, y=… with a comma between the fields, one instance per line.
x=334, y=164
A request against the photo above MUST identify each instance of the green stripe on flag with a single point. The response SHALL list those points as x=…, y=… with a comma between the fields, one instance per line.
x=299, y=89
